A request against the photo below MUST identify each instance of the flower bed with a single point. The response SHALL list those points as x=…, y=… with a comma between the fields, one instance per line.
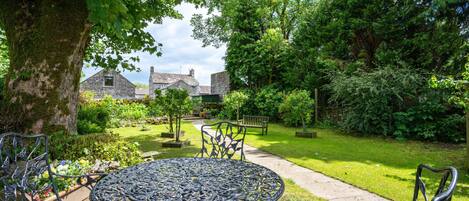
x=70, y=168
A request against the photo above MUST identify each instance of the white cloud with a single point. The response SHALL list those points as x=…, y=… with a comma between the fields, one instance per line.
x=180, y=51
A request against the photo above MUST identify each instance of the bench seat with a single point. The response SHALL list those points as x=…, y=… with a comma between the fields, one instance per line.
x=255, y=122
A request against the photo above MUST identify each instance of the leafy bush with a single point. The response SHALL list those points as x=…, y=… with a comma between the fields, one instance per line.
x=268, y=100
x=297, y=108
x=104, y=146
x=92, y=118
x=395, y=102
x=429, y=120
x=133, y=111
x=369, y=99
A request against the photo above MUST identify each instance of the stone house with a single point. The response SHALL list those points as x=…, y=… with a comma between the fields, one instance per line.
x=163, y=81
x=140, y=93
x=220, y=83
x=109, y=82
x=205, y=90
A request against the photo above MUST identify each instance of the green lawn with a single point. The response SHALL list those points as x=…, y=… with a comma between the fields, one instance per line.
x=151, y=141
x=383, y=166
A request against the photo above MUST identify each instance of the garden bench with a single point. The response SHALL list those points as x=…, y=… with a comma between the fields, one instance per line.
x=249, y=121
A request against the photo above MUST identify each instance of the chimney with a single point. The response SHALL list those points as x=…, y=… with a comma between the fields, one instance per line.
x=191, y=72
x=152, y=69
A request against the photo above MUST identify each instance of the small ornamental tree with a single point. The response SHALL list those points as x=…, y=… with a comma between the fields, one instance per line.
x=175, y=104
x=167, y=108
x=182, y=105
x=234, y=101
x=298, y=104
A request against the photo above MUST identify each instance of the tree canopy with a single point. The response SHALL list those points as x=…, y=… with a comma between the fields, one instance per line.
x=48, y=42
x=256, y=35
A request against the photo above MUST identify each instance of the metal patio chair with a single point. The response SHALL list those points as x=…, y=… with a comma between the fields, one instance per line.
x=444, y=192
x=23, y=159
x=222, y=142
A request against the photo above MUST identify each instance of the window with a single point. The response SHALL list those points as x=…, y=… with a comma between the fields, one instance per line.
x=108, y=81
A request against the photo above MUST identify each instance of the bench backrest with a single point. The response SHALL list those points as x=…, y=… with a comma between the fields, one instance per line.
x=255, y=120
x=223, y=141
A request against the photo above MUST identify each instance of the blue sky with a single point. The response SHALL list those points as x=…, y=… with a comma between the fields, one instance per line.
x=180, y=51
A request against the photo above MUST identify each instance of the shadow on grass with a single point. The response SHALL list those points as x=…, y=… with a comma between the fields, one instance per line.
x=330, y=146
x=432, y=182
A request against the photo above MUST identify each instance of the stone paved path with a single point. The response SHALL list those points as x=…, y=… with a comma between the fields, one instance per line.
x=316, y=183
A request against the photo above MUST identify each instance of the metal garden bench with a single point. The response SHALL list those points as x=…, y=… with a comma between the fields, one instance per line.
x=255, y=122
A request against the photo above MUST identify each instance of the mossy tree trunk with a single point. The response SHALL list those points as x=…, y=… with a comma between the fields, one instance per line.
x=47, y=40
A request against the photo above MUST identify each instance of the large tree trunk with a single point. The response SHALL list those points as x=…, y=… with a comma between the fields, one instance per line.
x=46, y=40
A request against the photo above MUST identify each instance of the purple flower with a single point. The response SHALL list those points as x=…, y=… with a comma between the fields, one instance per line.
x=63, y=162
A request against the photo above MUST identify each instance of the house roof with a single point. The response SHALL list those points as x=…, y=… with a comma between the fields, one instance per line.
x=205, y=89
x=169, y=78
x=177, y=84
x=114, y=72
x=142, y=91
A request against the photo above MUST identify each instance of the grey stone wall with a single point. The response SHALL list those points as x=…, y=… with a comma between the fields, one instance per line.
x=220, y=83
x=122, y=88
x=154, y=86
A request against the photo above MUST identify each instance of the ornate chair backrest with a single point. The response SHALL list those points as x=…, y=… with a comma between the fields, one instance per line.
x=443, y=193
x=224, y=142
x=23, y=159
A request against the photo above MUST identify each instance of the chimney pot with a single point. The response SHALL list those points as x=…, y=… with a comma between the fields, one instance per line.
x=191, y=72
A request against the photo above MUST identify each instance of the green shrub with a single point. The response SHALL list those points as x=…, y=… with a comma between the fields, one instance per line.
x=370, y=99
x=92, y=118
x=429, y=120
x=102, y=146
x=133, y=111
x=398, y=103
x=155, y=109
x=297, y=108
x=268, y=100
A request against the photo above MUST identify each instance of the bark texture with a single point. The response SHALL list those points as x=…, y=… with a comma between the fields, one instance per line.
x=46, y=39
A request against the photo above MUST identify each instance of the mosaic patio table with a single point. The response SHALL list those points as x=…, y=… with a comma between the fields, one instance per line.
x=190, y=179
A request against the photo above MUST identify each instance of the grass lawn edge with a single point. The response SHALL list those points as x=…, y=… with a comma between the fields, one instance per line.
x=321, y=173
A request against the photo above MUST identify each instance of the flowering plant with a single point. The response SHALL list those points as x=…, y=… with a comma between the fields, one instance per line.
x=64, y=167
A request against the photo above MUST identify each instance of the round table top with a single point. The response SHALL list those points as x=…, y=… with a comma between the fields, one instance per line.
x=190, y=179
